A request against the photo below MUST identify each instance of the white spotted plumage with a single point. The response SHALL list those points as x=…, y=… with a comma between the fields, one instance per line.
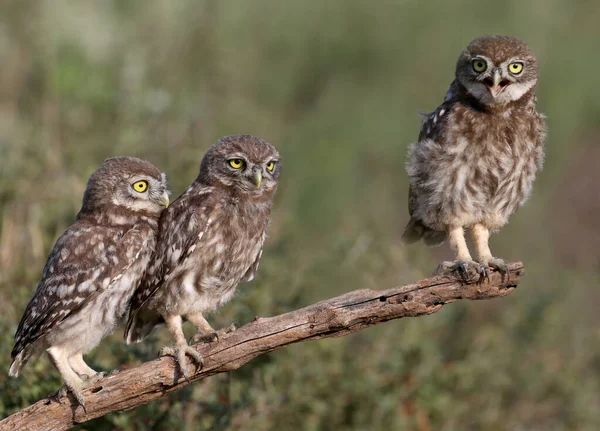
x=93, y=270
x=210, y=239
x=478, y=153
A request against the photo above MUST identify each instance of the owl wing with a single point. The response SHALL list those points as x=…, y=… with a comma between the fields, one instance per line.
x=432, y=127
x=182, y=226
x=431, y=135
x=434, y=123
x=542, y=132
x=251, y=272
x=412, y=200
x=85, y=261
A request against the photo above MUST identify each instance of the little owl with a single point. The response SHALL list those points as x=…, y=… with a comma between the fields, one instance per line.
x=210, y=239
x=93, y=270
x=478, y=153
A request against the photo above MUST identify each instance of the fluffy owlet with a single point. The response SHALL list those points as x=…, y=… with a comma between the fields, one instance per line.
x=210, y=239
x=93, y=269
x=478, y=152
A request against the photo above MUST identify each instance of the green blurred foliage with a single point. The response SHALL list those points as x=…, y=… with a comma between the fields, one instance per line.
x=336, y=86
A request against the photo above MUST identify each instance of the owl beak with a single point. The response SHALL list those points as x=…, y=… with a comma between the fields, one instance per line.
x=497, y=84
x=257, y=176
x=164, y=200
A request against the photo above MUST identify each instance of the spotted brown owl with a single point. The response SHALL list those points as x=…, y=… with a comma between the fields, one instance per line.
x=478, y=153
x=210, y=239
x=93, y=270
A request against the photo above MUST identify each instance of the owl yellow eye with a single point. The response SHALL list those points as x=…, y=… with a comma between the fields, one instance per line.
x=236, y=163
x=140, y=186
x=270, y=166
x=515, y=68
x=479, y=65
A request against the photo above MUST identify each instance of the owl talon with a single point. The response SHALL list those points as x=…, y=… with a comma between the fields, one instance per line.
x=500, y=266
x=484, y=273
x=462, y=268
x=227, y=330
x=179, y=352
x=201, y=337
x=63, y=392
x=90, y=380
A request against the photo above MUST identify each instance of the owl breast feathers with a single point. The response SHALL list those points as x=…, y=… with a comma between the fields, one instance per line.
x=474, y=166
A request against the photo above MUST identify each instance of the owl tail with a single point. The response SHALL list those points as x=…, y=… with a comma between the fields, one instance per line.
x=415, y=230
x=140, y=325
x=18, y=363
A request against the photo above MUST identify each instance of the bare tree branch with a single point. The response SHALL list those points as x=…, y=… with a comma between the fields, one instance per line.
x=334, y=317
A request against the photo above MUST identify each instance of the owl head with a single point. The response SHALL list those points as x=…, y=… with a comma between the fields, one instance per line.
x=497, y=70
x=127, y=184
x=242, y=163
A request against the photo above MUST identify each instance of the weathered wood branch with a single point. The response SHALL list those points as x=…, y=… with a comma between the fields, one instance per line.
x=334, y=317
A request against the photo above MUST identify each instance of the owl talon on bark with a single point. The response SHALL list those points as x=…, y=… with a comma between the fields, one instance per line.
x=227, y=330
x=462, y=268
x=500, y=266
x=65, y=389
x=77, y=388
x=90, y=380
x=484, y=274
x=202, y=337
x=178, y=352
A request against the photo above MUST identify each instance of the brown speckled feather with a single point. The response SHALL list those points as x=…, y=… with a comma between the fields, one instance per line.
x=68, y=286
x=93, y=269
x=476, y=160
x=210, y=238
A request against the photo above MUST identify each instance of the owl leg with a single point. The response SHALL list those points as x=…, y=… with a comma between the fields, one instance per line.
x=206, y=333
x=80, y=367
x=89, y=375
x=458, y=244
x=181, y=348
x=73, y=382
x=481, y=237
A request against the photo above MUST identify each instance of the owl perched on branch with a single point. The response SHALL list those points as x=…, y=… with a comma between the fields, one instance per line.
x=210, y=239
x=93, y=270
x=478, y=153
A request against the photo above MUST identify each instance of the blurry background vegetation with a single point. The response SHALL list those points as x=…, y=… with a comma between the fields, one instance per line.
x=336, y=86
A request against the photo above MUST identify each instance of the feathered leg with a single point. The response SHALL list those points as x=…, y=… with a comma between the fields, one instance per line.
x=181, y=348
x=458, y=244
x=481, y=236
x=206, y=333
x=80, y=367
x=73, y=382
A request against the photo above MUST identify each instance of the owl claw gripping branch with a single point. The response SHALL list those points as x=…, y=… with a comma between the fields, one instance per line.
x=211, y=238
x=478, y=154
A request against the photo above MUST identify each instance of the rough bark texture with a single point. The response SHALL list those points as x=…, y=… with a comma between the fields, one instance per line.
x=334, y=317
